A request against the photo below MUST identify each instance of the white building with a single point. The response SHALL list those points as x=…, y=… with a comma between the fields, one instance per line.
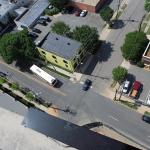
x=7, y=9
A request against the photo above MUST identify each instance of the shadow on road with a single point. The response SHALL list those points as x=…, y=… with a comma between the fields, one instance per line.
x=103, y=54
x=117, y=24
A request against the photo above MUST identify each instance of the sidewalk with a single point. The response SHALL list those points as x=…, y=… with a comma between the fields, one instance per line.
x=110, y=93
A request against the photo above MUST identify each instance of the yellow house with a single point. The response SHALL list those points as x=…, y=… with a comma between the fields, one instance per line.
x=61, y=51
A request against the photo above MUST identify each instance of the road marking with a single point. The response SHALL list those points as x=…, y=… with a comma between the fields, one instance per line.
x=36, y=80
x=113, y=118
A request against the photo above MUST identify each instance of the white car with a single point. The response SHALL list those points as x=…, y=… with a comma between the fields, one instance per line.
x=126, y=86
x=83, y=13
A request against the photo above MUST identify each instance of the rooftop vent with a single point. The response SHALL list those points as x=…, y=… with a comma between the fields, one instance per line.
x=68, y=43
x=57, y=38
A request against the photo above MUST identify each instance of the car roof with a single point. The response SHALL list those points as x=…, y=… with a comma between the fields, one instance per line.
x=136, y=85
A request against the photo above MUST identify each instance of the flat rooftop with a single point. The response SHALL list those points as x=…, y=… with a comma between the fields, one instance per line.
x=88, y=2
x=34, y=12
x=5, y=7
x=60, y=45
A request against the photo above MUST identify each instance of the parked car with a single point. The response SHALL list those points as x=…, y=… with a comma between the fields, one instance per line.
x=146, y=118
x=77, y=12
x=46, y=18
x=126, y=87
x=86, y=85
x=32, y=34
x=2, y=74
x=42, y=22
x=36, y=30
x=50, y=6
x=135, y=89
x=83, y=13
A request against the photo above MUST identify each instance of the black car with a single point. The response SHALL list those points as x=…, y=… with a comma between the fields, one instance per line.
x=32, y=34
x=36, y=30
x=42, y=22
x=146, y=118
x=2, y=74
x=86, y=85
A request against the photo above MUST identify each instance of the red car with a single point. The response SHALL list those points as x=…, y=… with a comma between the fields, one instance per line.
x=77, y=12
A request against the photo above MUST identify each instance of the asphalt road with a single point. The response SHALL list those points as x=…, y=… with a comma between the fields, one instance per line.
x=88, y=106
x=109, y=55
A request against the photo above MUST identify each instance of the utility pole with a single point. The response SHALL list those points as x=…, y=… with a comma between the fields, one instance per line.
x=115, y=95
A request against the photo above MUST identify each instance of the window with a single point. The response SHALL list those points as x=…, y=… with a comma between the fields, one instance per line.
x=54, y=57
x=56, y=61
x=43, y=52
x=65, y=61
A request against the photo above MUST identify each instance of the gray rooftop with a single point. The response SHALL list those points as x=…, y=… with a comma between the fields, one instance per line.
x=60, y=45
x=34, y=12
x=5, y=7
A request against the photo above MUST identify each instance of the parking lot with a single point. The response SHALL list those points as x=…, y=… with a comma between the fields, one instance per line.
x=144, y=77
x=91, y=19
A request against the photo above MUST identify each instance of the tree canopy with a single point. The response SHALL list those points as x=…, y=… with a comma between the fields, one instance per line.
x=61, y=28
x=16, y=45
x=88, y=36
x=119, y=73
x=134, y=46
x=58, y=3
x=147, y=5
x=106, y=13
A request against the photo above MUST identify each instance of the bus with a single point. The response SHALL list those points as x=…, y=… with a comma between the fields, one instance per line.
x=44, y=75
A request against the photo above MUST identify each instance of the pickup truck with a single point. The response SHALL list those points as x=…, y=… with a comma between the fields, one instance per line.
x=135, y=89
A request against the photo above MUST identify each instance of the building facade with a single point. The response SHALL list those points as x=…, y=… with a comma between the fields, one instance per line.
x=61, y=51
x=89, y=5
x=146, y=57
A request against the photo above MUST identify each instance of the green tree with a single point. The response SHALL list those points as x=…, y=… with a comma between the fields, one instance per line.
x=134, y=46
x=88, y=36
x=17, y=46
x=147, y=5
x=106, y=13
x=119, y=73
x=58, y=3
x=61, y=28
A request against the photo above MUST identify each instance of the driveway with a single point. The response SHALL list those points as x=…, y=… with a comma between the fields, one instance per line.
x=91, y=19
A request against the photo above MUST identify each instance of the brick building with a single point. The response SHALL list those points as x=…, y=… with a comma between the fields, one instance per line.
x=89, y=5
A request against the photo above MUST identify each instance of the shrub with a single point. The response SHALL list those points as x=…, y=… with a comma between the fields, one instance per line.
x=2, y=80
x=30, y=96
x=14, y=86
x=52, y=11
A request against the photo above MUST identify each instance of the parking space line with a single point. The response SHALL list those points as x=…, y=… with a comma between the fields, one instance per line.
x=113, y=118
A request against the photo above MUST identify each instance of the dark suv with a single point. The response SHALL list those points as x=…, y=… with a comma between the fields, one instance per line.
x=86, y=85
x=146, y=118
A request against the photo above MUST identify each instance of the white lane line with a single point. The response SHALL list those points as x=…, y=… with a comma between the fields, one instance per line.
x=113, y=118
